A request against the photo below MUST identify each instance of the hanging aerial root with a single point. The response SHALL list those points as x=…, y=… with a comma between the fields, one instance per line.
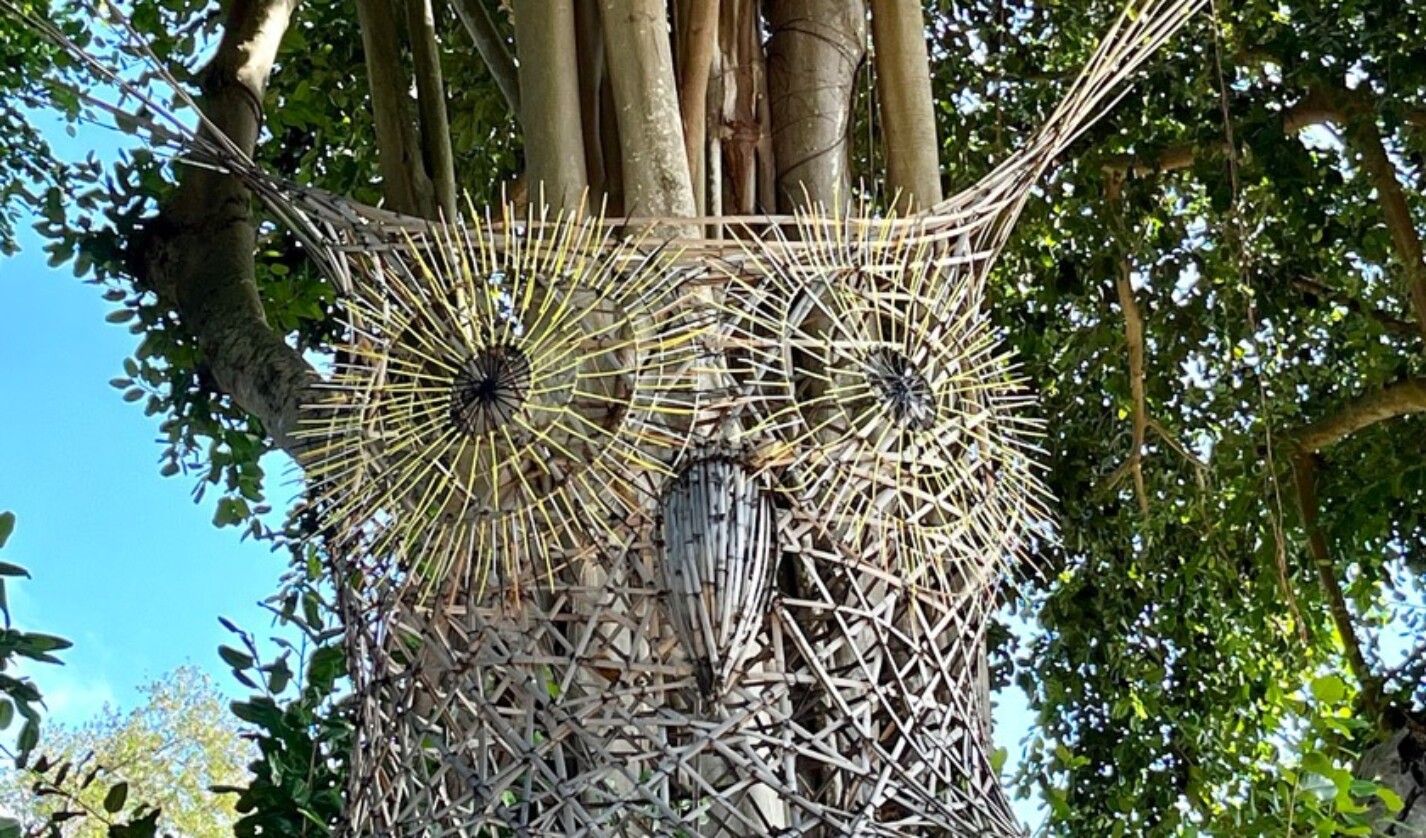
x=506, y=399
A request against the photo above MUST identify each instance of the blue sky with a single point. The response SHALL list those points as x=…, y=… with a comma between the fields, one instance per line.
x=124, y=563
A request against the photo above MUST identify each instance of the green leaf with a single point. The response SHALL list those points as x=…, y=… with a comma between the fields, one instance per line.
x=7, y=713
x=326, y=666
x=234, y=658
x=7, y=569
x=1329, y=689
x=29, y=737
x=7, y=526
x=1390, y=799
x=997, y=759
x=1317, y=763
x=115, y=799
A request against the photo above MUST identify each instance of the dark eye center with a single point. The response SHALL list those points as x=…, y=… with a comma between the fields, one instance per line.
x=488, y=389
x=902, y=389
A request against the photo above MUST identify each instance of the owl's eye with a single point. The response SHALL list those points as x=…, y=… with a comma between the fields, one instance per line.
x=489, y=388
x=902, y=389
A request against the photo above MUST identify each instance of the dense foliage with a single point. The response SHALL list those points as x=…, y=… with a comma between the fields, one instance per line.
x=1215, y=271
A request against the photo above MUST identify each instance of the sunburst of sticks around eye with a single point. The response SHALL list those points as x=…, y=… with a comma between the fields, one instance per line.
x=897, y=423
x=505, y=402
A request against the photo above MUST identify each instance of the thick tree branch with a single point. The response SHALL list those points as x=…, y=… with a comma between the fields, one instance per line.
x=908, y=117
x=405, y=184
x=1401, y=398
x=549, y=91
x=436, y=151
x=475, y=17
x=1364, y=134
x=198, y=254
x=1304, y=468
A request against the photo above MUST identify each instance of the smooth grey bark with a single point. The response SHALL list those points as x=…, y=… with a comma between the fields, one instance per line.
x=908, y=117
x=549, y=93
x=813, y=56
x=640, y=62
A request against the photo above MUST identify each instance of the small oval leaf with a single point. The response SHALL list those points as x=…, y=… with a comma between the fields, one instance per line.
x=114, y=800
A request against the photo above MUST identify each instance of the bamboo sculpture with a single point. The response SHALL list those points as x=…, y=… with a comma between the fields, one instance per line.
x=690, y=537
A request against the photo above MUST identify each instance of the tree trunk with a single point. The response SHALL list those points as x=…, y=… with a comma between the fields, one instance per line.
x=436, y=155
x=698, y=25
x=908, y=118
x=405, y=184
x=640, y=60
x=813, y=56
x=549, y=91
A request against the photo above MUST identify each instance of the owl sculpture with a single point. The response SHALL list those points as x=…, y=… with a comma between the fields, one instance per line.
x=633, y=537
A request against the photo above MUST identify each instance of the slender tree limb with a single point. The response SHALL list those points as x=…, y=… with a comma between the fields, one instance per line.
x=814, y=51
x=435, y=127
x=655, y=165
x=1134, y=341
x=198, y=254
x=1354, y=112
x=1304, y=468
x=1133, y=166
x=1394, y=325
x=1401, y=398
x=1364, y=134
x=1172, y=441
x=475, y=17
x=698, y=35
x=549, y=92
x=908, y=117
x=404, y=181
